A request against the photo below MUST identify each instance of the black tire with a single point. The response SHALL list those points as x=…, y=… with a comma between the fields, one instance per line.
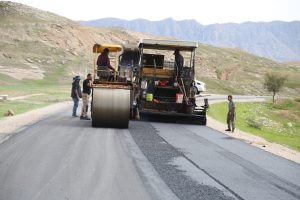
x=195, y=90
x=198, y=92
x=204, y=121
x=131, y=115
x=93, y=125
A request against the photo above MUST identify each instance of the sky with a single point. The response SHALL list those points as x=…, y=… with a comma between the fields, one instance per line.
x=204, y=11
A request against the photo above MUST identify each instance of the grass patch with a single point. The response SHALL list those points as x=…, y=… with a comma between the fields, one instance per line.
x=287, y=104
x=19, y=106
x=279, y=123
x=51, y=98
x=32, y=102
x=52, y=90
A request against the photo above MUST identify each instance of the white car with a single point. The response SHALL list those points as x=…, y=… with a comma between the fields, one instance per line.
x=199, y=86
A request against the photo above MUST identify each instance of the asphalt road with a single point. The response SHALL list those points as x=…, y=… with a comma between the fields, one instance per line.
x=65, y=158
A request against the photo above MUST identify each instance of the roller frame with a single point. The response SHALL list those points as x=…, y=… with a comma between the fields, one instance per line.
x=111, y=106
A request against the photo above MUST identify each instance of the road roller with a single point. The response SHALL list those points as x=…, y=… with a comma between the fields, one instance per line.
x=166, y=85
x=111, y=91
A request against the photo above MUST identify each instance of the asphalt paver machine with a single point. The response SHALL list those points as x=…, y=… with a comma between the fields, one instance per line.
x=166, y=89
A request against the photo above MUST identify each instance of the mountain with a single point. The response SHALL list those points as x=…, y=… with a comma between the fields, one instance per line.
x=275, y=40
x=41, y=51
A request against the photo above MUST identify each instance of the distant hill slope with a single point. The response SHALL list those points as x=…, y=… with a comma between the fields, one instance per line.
x=44, y=49
x=35, y=43
x=232, y=71
x=276, y=40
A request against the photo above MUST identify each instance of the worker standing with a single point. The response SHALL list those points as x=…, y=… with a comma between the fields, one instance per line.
x=231, y=114
x=179, y=61
x=75, y=94
x=86, y=91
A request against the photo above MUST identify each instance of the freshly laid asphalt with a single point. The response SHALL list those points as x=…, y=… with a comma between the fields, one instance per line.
x=65, y=158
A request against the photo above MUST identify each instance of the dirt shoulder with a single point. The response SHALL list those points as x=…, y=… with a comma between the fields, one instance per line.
x=11, y=125
x=249, y=138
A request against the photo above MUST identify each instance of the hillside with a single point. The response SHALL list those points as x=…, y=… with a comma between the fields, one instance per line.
x=41, y=51
x=275, y=40
x=41, y=47
x=237, y=72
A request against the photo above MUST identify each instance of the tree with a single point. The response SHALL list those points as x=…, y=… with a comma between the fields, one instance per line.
x=274, y=83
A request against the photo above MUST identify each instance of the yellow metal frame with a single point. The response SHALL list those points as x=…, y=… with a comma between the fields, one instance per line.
x=98, y=48
x=160, y=73
x=113, y=48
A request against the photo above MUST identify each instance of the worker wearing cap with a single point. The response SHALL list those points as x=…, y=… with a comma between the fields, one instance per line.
x=179, y=61
x=86, y=91
x=75, y=94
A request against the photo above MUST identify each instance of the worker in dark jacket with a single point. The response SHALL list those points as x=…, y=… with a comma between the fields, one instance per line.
x=86, y=91
x=179, y=61
x=75, y=94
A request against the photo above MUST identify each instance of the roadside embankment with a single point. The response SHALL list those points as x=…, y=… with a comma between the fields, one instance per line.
x=279, y=139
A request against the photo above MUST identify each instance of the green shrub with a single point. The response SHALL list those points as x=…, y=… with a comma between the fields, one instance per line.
x=284, y=104
x=274, y=83
x=219, y=73
x=252, y=122
x=287, y=104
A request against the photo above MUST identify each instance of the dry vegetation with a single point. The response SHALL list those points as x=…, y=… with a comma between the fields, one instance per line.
x=238, y=72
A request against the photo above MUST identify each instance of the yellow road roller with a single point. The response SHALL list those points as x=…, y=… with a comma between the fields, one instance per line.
x=111, y=98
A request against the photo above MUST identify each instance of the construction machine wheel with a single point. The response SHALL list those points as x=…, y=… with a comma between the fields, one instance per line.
x=111, y=107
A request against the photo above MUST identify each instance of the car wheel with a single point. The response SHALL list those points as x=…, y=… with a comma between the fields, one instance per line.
x=196, y=90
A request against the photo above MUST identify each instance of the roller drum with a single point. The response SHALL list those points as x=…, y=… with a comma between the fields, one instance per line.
x=110, y=107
